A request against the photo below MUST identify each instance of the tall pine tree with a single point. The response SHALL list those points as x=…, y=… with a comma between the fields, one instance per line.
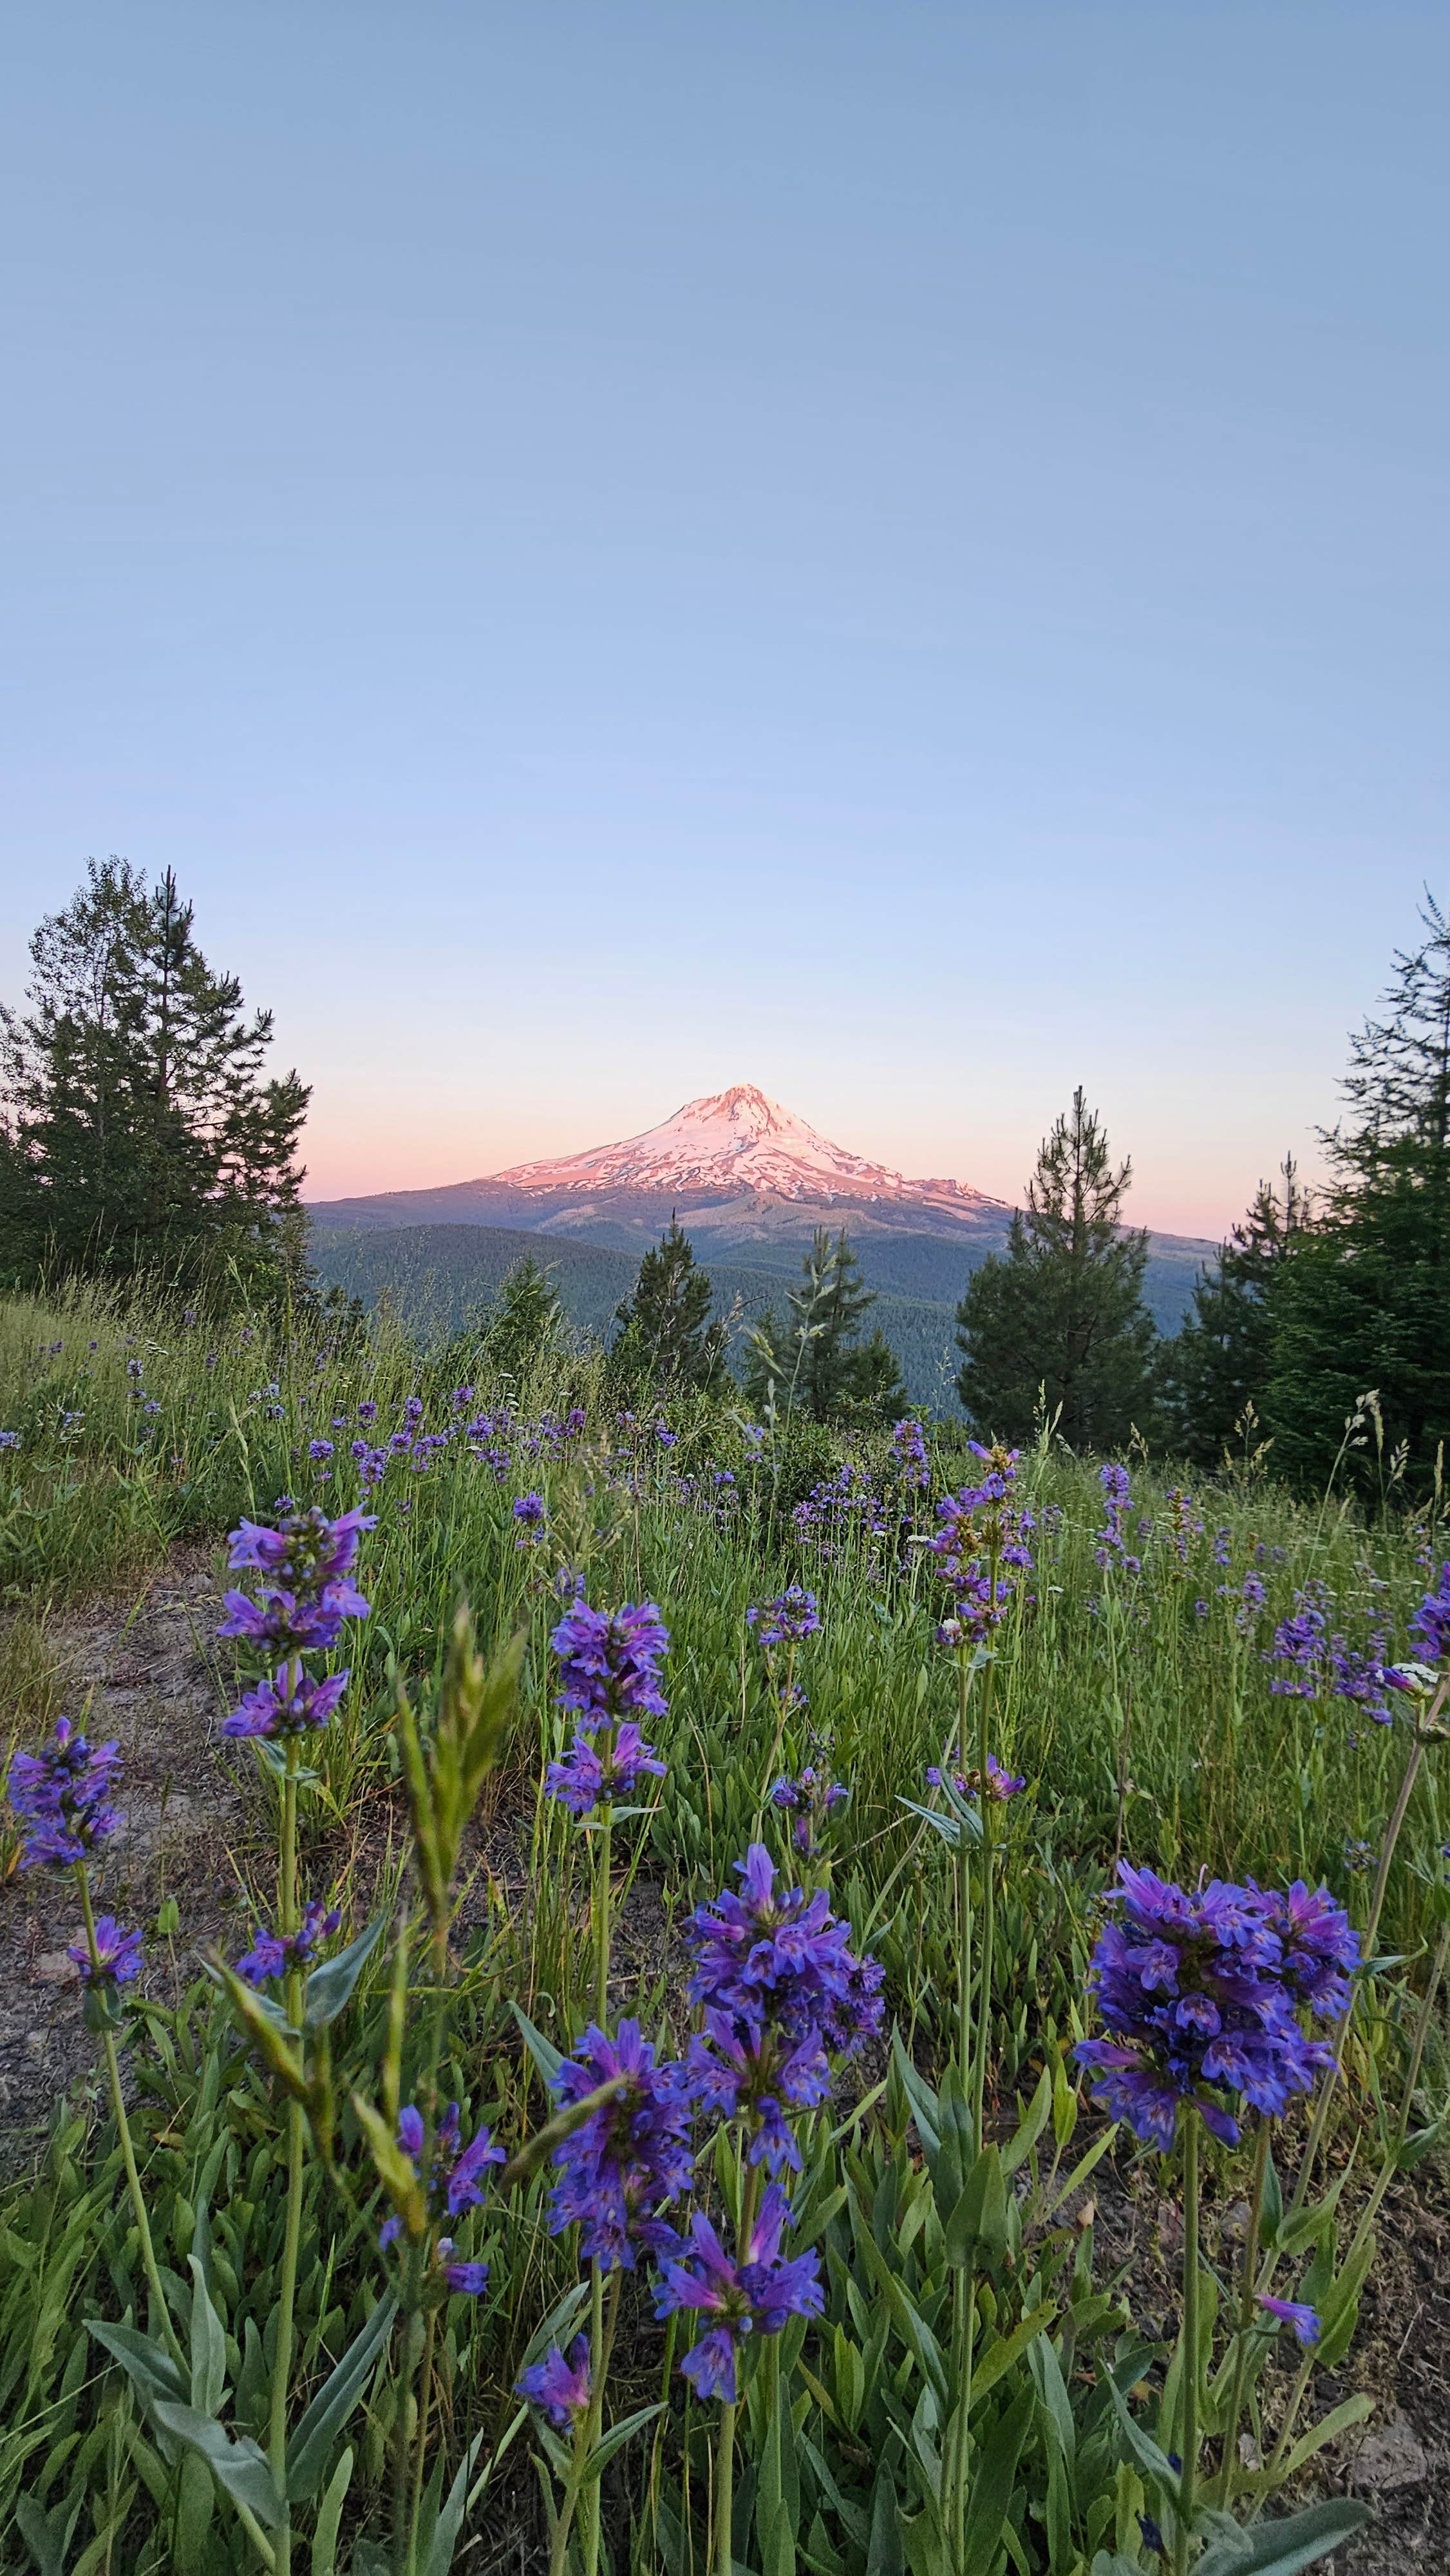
x=1060, y=1318
x=140, y=1130
x=1221, y=1361
x=1365, y=1301
x=815, y=1361
x=666, y=1337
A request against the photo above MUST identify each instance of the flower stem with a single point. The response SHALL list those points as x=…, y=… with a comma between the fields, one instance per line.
x=1188, y=2480
x=287, y=2288
x=1228, y=2470
x=128, y=2152
x=723, y=2552
x=964, y=1885
x=985, y=1804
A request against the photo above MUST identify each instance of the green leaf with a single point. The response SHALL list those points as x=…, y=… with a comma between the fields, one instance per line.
x=208, y=2344
x=329, y=2517
x=240, y=2468
x=545, y=2055
x=151, y=2370
x=925, y=2109
x=1272, y=2213
x=323, y=2420
x=1039, y=2110
x=1003, y=2356
x=450, y=2520
x=615, y=2439
x=394, y=2169
x=1340, y=2419
x=993, y=2482
x=976, y=2233
x=329, y=1988
x=1282, y=2548
x=1154, y=2463
x=47, y=2535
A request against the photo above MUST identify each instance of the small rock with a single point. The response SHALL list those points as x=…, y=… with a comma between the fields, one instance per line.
x=1391, y=2458
x=54, y=1968
x=1250, y=2456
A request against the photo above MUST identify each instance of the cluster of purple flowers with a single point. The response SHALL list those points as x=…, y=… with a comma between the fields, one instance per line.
x=1112, y=1540
x=63, y=1795
x=306, y=1594
x=780, y=1960
x=629, y=2158
x=609, y=1665
x=811, y=1799
x=453, y=2183
x=1001, y=1783
x=595, y=1774
x=532, y=1514
x=562, y=2388
x=117, y=1956
x=756, y=2294
x=1202, y=1989
x=787, y=1620
x=274, y=1954
x=964, y=1552
x=1312, y=1661
x=908, y=1444
x=1430, y=1626
x=846, y=1501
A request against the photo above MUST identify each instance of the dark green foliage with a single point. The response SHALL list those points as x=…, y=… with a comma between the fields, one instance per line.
x=1060, y=1320
x=666, y=1337
x=815, y=1361
x=526, y=1320
x=1221, y=1362
x=1365, y=1303
x=140, y=1134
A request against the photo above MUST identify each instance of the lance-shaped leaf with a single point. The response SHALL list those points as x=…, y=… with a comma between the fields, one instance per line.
x=330, y=1987
x=311, y=2444
x=149, y=2368
x=47, y=2535
x=1284, y=2548
x=977, y=2228
x=439, y=2557
x=238, y=2467
x=545, y=2055
x=563, y=2124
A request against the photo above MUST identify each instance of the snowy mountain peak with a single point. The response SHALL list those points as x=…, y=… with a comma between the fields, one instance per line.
x=741, y=1142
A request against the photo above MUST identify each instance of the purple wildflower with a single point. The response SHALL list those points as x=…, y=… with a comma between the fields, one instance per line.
x=753, y=2296
x=609, y=1662
x=592, y=1776
x=1294, y=2312
x=118, y=1955
x=788, y=1620
x=774, y=1957
x=288, y=1702
x=273, y=1953
x=453, y=2183
x=1318, y=1947
x=1001, y=1783
x=1189, y=1983
x=744, y=2069
x=630, y=2156
x=561, y=2387
x=1430, y=1626
x=63, y=1794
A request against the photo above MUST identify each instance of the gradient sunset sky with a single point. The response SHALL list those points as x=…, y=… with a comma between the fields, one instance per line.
x=897, y=553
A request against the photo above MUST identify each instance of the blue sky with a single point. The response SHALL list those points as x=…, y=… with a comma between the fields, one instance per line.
x=894, y=552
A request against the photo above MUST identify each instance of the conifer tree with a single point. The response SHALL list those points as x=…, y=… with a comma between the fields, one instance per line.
x=1061, y=1317
x=665, y=1333
x=141, y=1132
x=1222, y=1359
x=526, y=1319
x=1365, y=1302
x=814, y=1361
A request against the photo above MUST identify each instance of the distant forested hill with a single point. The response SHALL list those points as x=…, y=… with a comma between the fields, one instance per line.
x=436, y=1275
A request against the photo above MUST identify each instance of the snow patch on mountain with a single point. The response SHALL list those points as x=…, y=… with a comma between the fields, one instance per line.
x=740, y=1142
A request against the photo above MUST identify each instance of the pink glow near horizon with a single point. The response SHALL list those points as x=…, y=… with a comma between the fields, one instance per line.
x=394, y=1151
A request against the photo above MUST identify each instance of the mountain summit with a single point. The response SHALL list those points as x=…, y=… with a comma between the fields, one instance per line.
x=742, y=1143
